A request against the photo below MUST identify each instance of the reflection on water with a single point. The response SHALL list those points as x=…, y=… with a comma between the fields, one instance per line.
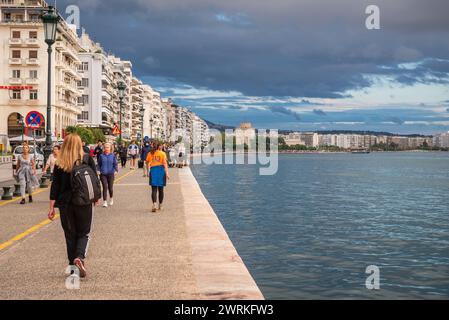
x=311, y=230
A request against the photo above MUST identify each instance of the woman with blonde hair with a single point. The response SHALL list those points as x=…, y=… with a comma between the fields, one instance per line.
x=108, y=169
x=76, y=220
x=26, y=173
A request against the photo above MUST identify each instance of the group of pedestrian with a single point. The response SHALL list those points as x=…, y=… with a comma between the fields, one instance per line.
x=65, y=164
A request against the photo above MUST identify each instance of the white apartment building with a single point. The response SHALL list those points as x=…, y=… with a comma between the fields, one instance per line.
x=137, y=97
x=441, y=140
x=309, y=139
x=23, y=69
x=99, y=95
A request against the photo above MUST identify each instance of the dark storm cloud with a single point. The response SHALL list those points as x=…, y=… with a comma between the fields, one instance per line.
x=285, y=111
x=297, y=48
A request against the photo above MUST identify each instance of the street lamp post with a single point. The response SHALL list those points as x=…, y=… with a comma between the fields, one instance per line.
x=50, y=19
x=121, y=94
x=142, y=112
x=151, y=126
x=21, y=123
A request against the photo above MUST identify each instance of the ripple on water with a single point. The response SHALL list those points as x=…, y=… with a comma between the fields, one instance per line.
x=310, y=231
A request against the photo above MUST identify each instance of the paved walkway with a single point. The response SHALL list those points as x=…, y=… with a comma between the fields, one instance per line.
x=134, y=254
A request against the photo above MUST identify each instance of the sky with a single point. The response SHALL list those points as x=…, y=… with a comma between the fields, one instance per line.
x=287, y=64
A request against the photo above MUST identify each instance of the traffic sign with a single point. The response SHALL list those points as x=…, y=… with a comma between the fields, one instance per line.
x=116, y=130
x=34, y=120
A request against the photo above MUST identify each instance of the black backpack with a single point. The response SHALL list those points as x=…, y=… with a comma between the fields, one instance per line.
x=86, y=187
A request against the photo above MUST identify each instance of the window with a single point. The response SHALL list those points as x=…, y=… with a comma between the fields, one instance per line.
x=35, y=17
x=84, y=115
x=33, y=34
x=16, y=34
x=16, y=54
x=83, y=100
x=85, y=66
x=33, y=94
x=16, y=74
x=32, y=54
x=33, y=74
x=16, y=94
x=85, y=82
x=18, y=18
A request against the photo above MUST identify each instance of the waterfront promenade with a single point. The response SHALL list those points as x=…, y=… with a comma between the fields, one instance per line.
x=181, y=253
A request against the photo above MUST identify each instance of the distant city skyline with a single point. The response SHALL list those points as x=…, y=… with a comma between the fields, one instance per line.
x=298, y=65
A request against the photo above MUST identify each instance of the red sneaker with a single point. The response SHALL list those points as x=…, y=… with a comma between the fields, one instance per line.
x=80, y=265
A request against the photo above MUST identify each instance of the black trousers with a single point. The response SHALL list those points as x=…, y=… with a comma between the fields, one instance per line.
x=123, y=161
x=154, y=192
x=107, y=181
x=77, y=225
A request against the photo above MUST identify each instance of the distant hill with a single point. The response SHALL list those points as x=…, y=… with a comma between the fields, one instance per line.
x=218, y=127
x=372, y=133
x=222, y=128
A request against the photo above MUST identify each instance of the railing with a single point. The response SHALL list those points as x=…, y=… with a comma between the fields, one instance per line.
x=15, y=41
x=15, y=81
x=15, y=61
x=32, y=61
x=32, y=81
x=32, y=42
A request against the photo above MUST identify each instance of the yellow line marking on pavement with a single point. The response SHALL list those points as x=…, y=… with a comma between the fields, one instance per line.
x=124, y=176
x=35, y=228
x=22, y=235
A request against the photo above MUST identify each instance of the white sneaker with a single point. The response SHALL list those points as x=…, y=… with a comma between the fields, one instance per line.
x=111, y=202
x=161, y=207
x=154, y=208
x=69, y=270
x=105, y=204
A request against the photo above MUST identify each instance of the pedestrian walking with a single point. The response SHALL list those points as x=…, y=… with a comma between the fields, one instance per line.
x=146, y=149
x=98, y=149
x=171, y=156
x=133, y=151
x=25, y=174
x=108, y=168
x=181, y=155
x=74, y=190
x=86, y=148
x=157, y=162
x=51, y=162
x=123, y=154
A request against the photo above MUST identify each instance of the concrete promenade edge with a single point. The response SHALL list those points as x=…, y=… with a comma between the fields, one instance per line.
x=219, y=271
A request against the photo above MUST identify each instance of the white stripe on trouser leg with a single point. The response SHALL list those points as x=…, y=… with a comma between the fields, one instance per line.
x=91, y=229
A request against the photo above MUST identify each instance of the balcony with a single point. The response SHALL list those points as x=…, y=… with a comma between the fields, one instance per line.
x=71, y=54
x=15, y=42
x=70, y=71
x=59, y=45
x=32, y=42
x=32, y=102
x=32, y=81
x=15, y=81
x=15, y=102
x=32, y=62
x=15, y=61
x=106, y=78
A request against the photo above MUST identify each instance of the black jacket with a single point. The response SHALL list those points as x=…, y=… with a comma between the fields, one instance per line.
x=61, y=189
